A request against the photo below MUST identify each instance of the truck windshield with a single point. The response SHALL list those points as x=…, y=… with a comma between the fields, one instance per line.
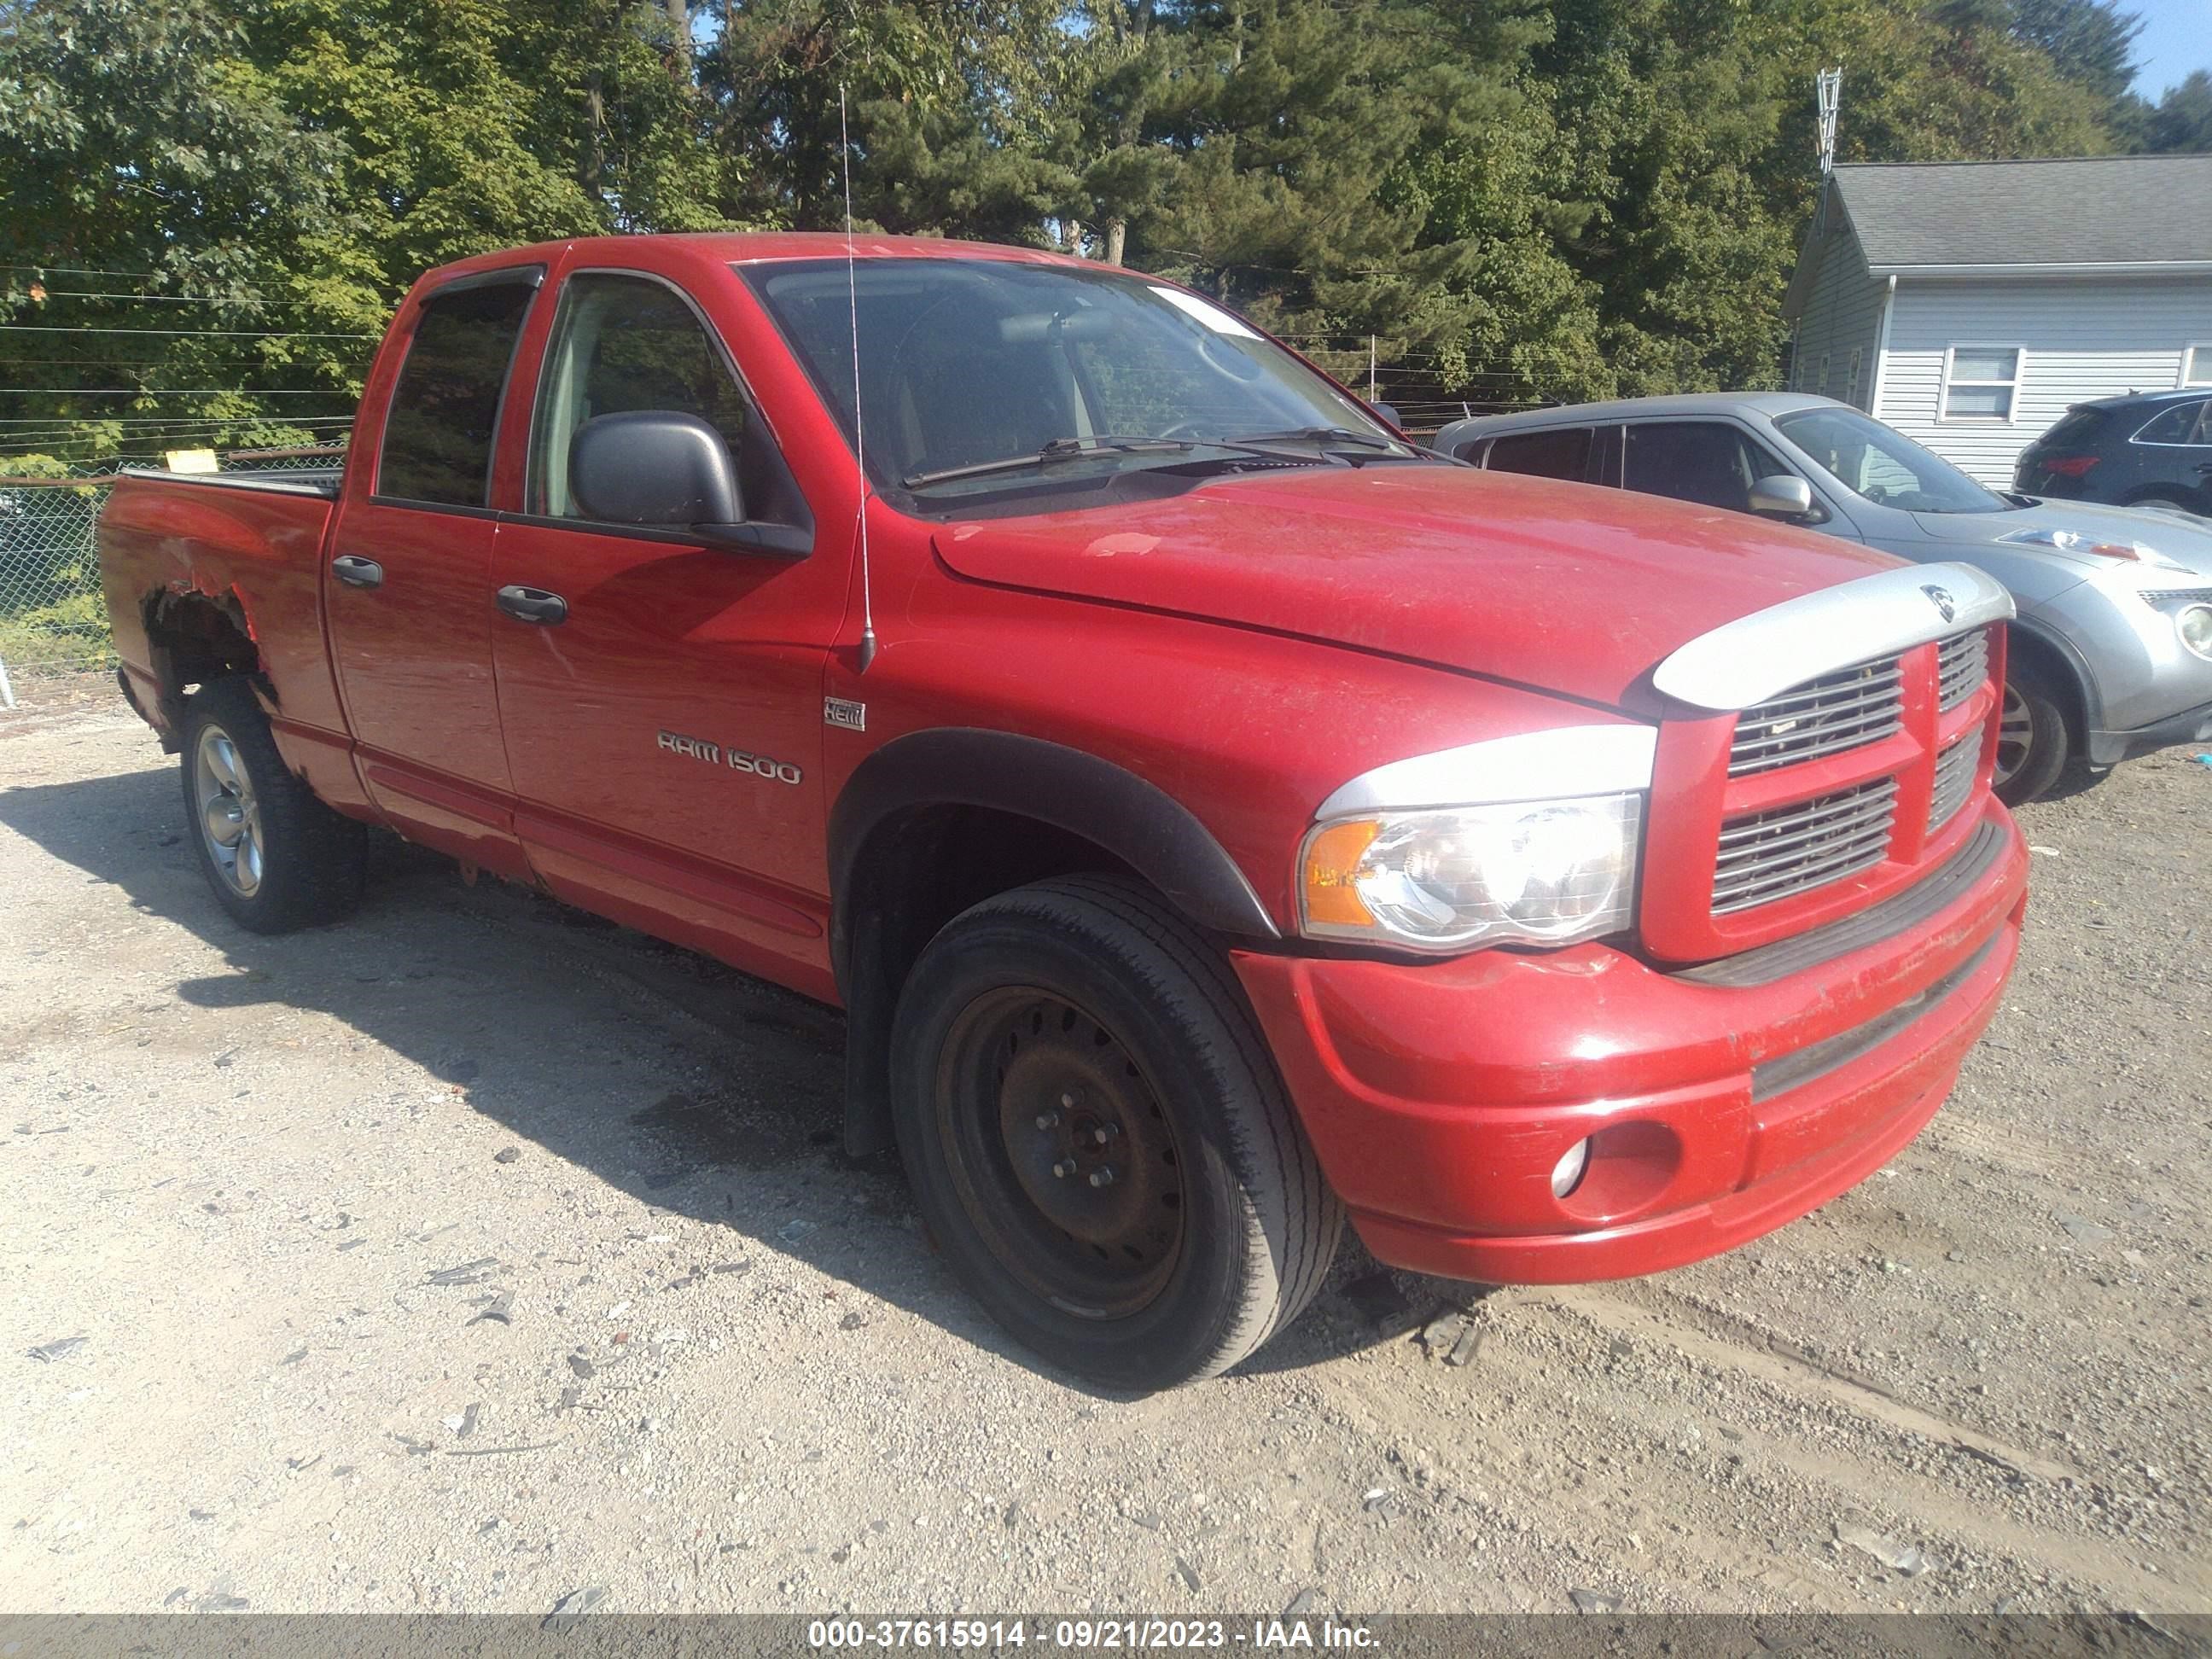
x=967, y=364
x=1882, y=465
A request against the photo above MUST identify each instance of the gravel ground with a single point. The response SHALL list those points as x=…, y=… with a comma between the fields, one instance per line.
x=475, y=1253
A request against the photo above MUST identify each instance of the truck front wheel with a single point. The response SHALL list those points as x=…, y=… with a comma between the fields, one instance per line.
x=1098, y=1140
x=276, y=856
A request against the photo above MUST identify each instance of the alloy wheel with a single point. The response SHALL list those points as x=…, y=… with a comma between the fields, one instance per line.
x=2016, y=736
x=229, y=815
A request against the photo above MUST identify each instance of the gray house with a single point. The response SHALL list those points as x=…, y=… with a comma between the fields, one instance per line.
x=1968, y=303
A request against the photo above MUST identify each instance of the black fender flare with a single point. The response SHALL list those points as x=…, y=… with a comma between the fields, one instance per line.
x=2068, y=656
x=1068, y=789
x=1136, y=821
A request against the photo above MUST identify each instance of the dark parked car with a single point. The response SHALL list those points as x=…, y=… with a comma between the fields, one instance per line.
x=2150, y=449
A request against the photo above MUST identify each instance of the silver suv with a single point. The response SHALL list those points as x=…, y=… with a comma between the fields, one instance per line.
x=2112, y=653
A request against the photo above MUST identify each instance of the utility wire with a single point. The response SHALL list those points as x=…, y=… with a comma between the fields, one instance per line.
x=194, y=333
x=45, y=438
x=26, y=441
x=107, y=363
x=170, y=391
x=85, y=271
x=150, y=299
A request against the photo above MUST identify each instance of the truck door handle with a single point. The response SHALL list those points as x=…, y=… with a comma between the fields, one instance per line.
x=534, y=605
x=356, y=572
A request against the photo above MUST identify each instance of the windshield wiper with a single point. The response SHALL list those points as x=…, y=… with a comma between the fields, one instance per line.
x=1342, y=434
x=1060, y=449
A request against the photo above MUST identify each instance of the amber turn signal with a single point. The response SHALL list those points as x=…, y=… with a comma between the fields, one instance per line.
x=1332, y=872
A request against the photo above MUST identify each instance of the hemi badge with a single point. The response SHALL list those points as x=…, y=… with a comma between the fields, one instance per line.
x=837, y=711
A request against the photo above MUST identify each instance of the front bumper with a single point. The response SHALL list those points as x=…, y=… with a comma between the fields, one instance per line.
x=2190, y=726
x=2150, y=689
x=1439, y=1096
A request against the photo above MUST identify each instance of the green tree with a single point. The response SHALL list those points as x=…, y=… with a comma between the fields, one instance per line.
x=2183, y=118
x=1530, y=197
x=166, y=213
x=260, y=182
x=945, y=103
x=2090, y=43
x=1340, y=169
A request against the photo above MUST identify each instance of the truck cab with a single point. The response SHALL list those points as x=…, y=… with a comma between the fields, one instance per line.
x=1217, y=817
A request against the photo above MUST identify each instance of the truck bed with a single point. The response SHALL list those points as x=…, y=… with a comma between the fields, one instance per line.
x=321, y=481
x=246, y=547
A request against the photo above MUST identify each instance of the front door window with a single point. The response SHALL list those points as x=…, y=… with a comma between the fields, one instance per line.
x=1709, y=462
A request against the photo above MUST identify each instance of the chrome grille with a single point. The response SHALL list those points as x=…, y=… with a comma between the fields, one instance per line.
x=1954, y=778
x=1962, y=662
x=1774, y=854
x=1839, y=710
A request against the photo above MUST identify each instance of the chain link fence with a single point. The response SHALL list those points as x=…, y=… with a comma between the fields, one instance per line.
x=53, y=620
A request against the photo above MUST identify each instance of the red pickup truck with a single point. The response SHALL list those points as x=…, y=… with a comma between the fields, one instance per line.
x=1215, y=815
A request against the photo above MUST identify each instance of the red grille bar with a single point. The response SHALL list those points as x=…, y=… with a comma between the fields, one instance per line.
x=1739, y=856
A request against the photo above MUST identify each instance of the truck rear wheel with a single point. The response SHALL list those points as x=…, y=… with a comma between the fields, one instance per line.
x=276, y=856
x=1098, y=1140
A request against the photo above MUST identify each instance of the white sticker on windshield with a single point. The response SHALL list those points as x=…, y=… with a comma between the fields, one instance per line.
x=1206, y=311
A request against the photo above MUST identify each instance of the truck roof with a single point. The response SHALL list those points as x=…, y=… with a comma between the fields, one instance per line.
x=754, y=247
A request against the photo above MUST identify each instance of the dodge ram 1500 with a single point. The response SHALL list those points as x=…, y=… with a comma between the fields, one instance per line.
x=1217, y=815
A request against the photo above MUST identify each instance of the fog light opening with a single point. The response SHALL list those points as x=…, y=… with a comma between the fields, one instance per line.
x=1567, y=1173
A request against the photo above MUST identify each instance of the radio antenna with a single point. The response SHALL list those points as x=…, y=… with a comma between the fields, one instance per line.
x=859, y=427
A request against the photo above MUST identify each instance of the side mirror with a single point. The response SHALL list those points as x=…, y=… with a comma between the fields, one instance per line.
x=1389, y=412
x=1783, y=496
x=654, y=466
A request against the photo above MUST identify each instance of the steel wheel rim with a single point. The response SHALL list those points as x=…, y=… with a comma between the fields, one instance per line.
x=2015, y=735
x=228, y=812
x=1061, y=1153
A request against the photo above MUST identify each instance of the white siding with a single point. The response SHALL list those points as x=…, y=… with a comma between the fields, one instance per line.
x=2084, y=336
x=1842, y=315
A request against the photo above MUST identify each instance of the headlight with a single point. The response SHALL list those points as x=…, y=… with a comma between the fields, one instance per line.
x=1448, y=879
x=2191, y=614
x=2194, y=624
x=2073, y=541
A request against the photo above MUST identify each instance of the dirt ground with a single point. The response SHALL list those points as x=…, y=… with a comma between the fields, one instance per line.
x=475, y=1254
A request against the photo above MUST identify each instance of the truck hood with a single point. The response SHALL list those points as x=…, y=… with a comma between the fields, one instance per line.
x=1565, y=588
x=2183, y=539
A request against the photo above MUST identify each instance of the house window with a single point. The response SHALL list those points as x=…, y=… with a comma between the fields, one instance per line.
x=1980, y=381
x=1851, y=386
x=2196, y=365
x=1823, y=387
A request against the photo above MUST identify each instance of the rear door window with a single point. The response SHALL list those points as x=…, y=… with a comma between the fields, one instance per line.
x=1556, y=452
x=2184, y=423
x=438, y=434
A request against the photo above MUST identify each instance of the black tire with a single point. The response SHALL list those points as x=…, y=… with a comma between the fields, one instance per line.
x=1137, y=1036
x=308, y=860
x=2034, y=743
x=2172, y=502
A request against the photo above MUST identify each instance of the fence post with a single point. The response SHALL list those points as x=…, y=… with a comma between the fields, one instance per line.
x=7, y=691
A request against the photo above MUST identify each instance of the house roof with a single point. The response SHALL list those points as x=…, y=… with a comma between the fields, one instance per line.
x=1966, y=217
